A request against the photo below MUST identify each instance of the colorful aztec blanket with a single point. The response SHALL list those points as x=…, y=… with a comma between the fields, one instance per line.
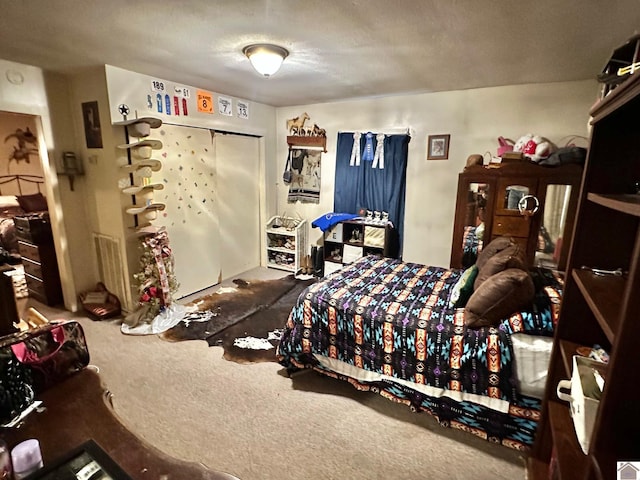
x=394, y=318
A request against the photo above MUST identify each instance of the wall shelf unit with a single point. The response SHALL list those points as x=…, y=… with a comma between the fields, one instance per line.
x=309, y=141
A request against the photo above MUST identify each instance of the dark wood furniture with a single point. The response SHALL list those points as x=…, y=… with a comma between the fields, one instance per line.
x=601, y=309
x=79, y=409
x=35, y=244
x=488, y=198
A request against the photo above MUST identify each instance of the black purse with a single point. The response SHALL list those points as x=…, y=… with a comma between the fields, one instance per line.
x=286, y=175
x=16, y=386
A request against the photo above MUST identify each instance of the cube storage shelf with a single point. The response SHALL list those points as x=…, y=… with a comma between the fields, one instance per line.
x=350, y=240
x=286, y=240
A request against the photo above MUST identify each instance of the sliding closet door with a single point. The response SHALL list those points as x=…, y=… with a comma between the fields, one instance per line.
x=189, y=178
x=238, y=194
x=211, y=191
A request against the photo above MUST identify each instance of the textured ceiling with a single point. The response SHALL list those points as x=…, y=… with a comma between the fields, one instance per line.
x=340, y=49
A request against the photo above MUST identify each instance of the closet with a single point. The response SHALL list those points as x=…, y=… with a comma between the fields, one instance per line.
x=211, y=191
x=533, y=204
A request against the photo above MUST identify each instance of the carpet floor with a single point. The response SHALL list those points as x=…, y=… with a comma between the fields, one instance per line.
x=254, y=422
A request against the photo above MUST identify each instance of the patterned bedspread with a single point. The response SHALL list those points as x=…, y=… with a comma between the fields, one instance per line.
x=394, y=318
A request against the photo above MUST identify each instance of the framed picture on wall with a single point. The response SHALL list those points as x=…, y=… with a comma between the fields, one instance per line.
x=438, y=147
x=92, y=130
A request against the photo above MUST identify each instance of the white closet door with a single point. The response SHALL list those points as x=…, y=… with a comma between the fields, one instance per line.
x=189, y=177
x=238, y=196
x=211, y=192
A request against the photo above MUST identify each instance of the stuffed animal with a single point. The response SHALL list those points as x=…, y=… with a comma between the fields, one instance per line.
x=534, y=147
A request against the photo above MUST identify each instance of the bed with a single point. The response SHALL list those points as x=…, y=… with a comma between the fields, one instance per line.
x=393, y=328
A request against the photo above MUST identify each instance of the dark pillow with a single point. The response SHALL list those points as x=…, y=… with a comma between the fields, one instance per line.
x=494, y=246
x=33, y=203
x=463, y=288
x=510, y=257
x=499, y=297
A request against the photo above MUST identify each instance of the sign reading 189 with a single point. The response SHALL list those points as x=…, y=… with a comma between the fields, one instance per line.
x=157, y=86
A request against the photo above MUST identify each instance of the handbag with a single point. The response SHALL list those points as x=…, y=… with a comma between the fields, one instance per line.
x=505, y=146
x=32, y=361
x=286, y=175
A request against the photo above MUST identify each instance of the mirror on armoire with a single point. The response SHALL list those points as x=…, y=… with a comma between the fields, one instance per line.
x=552, y=225
x=474, y=222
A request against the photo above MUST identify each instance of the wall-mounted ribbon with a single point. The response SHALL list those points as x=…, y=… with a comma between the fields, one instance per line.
x=355, y=151
x=378, y=159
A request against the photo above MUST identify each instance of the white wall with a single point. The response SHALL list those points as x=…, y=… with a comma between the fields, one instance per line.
x=473, y=118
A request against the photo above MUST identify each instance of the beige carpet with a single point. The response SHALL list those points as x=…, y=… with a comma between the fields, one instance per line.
x=253, y=422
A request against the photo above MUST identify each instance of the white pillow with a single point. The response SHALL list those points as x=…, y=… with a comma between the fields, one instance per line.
x=8, y=201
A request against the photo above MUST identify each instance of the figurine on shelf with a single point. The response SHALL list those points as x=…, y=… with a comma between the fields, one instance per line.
x=296, y=125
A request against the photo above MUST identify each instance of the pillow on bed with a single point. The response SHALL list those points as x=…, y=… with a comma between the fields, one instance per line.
x=33, y=203
x=510, y=257
x=499, y=297
x=494, y=246
x=463, y=288
x=8, y=201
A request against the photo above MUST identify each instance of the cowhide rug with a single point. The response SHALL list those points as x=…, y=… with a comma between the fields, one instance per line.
x=246, y=321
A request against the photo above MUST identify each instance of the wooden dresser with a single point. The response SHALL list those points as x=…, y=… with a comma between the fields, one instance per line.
x=35, y=244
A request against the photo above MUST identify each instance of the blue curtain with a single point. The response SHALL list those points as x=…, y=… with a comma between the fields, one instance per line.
x=365, y=187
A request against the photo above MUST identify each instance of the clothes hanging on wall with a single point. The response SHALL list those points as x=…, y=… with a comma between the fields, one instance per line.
x=305, y=175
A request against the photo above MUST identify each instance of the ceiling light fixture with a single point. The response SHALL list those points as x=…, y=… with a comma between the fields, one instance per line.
x=265, y=57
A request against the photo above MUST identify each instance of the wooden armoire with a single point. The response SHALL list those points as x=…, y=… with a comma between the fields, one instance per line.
x=534, y=204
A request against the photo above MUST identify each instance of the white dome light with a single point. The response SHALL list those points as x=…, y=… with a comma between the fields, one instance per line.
x=265, y=58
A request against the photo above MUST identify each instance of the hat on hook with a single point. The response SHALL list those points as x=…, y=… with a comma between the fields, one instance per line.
x=134, y=189
x=154, y=144
x=140, y=127
x=137, y=209
x=151, y=163
x=149, y=229
x=151, y=121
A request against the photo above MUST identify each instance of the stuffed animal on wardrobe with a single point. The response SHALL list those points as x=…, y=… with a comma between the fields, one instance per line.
x=534, y=147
